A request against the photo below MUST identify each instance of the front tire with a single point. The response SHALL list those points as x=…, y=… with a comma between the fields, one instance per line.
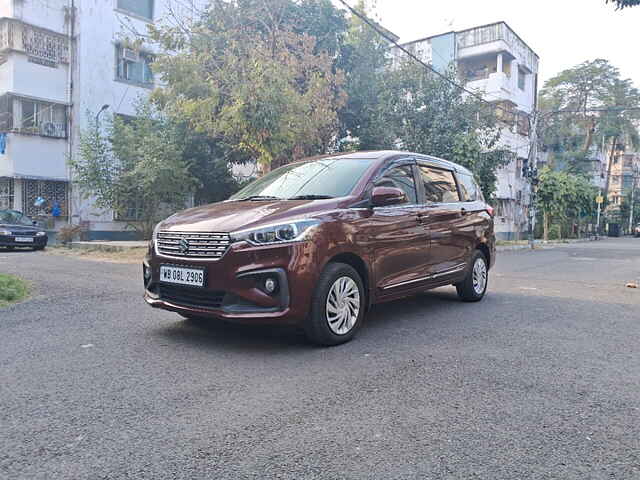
x=474, y=286
x=337, y=307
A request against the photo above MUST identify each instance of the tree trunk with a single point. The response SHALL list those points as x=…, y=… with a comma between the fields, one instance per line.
x=545, y=225
x=591, y=127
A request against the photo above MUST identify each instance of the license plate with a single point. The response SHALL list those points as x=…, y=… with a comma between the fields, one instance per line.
x=24, y=239
x=193, y=277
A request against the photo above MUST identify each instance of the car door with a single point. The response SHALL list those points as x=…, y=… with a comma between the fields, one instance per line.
x=442, y=218
x=399, y=242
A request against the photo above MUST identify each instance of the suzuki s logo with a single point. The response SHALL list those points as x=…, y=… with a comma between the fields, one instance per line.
x=184, y=246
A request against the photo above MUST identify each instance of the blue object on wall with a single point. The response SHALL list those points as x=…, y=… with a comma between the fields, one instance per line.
x=3, y=143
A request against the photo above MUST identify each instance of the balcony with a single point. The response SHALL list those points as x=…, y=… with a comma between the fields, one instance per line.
x=494, y=38
x=40, y=45
x=32, y=117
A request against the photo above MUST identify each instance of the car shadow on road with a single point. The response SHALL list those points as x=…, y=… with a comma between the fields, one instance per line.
x=217, y=334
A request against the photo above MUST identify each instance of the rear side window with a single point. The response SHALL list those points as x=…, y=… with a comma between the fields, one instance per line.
x=469, y=189
x=439, y=185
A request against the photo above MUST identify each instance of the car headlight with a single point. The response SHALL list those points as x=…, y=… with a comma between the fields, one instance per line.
x=5, y=232
x=41, y=234
x=274, y=234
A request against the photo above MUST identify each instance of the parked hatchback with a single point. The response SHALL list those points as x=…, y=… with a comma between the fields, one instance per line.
x=316, y=243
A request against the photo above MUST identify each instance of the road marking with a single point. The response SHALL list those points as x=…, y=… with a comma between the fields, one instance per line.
x=87, y=345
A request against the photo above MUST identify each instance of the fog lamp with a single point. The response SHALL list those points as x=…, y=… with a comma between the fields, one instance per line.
x=270, y=285
x=146, y=271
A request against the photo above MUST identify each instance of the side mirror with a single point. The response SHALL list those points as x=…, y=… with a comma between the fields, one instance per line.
x=384, y=196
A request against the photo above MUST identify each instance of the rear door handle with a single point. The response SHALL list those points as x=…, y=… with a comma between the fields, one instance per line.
x=420, y=218
x=463, y=211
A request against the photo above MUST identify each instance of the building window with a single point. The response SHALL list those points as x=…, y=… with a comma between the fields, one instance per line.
x=523, y=123
x=506, y=112
x=6, y=193
x=131, y=211
x=133, y=66
x=141, y=8
x=522, y=77
x=38, y=118
x=54, y=193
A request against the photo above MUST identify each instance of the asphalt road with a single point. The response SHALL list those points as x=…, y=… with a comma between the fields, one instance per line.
x=540, y=380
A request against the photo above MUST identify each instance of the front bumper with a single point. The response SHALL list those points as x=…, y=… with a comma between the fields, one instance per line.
x=10, y=241
x=234, y=284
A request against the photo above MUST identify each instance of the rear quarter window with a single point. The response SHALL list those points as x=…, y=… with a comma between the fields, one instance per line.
x=469, y=189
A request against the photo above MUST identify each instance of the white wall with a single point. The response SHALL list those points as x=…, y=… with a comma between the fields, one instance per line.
x=34, y=80
x=42, y=13
x=34, y=156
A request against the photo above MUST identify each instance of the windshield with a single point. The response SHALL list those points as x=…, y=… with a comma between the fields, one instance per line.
x=12, y=217
x=326, y=178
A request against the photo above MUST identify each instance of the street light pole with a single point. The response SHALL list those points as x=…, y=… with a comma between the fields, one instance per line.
x=102, y=109
x=532, y=174
x=634, y=174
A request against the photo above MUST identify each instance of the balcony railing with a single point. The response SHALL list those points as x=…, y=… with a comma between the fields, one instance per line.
x=499, y=32
x=41, y=45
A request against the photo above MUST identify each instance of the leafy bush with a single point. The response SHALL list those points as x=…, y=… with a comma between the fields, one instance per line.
x=67, y=233
x=12, y=289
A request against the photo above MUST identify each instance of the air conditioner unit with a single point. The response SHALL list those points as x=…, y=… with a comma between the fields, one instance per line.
x=130, y=55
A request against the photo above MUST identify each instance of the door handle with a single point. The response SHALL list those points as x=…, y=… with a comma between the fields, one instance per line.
x=463, y=211
x=420, y=218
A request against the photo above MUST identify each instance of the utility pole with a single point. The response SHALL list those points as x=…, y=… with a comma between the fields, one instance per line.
x=531, y=172
x=634, y=176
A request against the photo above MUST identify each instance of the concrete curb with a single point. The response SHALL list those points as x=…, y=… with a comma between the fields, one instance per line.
x=540, y=245
x=109, y=246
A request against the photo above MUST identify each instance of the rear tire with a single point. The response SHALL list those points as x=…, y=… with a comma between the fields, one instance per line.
x=474, y=286
x=337, y=307
x=38, y=248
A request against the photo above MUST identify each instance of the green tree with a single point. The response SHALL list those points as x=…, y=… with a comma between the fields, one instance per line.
x=242, y=76
x=620, y=4
x=578, y=91
x=365, y=62
x=137, y=168
x=422, y=112
x=564, y=197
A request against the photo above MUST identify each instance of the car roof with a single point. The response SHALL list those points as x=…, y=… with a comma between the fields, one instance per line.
x=383, y=155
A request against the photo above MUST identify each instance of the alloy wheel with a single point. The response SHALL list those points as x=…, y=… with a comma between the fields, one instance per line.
x=479, y=276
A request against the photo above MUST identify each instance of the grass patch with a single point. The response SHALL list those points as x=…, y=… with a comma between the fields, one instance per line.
x=129, y=255
x=12, y=289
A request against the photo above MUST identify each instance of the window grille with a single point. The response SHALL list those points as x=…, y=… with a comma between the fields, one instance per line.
x=51, y=190
x=6, y=193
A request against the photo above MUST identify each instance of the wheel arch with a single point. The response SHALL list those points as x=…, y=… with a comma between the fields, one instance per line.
x=360, y=266
x=486, y=252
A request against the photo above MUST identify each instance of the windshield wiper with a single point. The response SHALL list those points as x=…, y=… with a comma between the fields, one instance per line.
x=258, y=198
x=310, y=197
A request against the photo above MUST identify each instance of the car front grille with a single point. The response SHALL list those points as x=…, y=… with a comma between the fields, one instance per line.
x=193, y=245
x=191, y=297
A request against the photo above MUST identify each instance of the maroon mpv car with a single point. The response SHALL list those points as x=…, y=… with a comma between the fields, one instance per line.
x=317, y=242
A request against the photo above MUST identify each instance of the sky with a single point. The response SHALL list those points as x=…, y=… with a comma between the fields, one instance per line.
x=563, y=33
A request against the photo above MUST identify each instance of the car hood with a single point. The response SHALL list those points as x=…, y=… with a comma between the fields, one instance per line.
x=232, y=216
x=19, y=228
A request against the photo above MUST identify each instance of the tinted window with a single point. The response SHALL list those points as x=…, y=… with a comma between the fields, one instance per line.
x=439, y=185
x=402, y=178
x=144, y=8
x=328, y=177
x=469, y=188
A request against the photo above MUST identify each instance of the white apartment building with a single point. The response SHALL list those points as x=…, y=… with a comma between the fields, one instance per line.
x=495, y=62
x=59, y=60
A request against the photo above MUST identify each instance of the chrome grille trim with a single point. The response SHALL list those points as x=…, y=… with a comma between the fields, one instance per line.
x=201, y=245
